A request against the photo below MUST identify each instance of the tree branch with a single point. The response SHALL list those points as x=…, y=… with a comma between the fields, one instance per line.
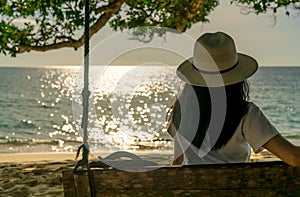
x=114, y=7
x=110, y=7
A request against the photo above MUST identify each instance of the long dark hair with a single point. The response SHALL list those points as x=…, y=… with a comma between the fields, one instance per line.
x=237, y=96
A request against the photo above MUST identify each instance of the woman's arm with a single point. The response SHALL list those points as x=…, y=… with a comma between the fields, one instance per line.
x=284, y=150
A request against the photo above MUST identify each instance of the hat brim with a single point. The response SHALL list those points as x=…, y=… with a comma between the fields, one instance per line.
x=246, y=67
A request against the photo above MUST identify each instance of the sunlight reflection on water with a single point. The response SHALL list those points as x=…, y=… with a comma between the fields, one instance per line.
x=130, y=106
x=37, y=112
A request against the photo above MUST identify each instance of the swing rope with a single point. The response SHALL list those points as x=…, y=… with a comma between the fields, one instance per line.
x=84, y=162
x=85, y=93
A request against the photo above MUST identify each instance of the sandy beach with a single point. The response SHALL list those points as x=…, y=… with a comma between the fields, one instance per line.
x=40, y=174
x=33, y=174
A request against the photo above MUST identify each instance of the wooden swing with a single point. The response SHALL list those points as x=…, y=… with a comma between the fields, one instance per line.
x=240, y=179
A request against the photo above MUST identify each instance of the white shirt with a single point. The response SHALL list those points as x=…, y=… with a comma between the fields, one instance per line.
x=253, y=132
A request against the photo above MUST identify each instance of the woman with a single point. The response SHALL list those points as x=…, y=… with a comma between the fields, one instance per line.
x=212, y=120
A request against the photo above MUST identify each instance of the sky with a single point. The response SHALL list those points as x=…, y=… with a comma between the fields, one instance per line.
x=270, y=42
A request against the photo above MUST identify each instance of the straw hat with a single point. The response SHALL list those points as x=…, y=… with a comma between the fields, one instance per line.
x=216, y=63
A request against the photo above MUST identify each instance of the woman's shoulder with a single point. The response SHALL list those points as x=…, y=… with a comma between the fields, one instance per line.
x=255, y=113
x=253, y=110
x=252, y=107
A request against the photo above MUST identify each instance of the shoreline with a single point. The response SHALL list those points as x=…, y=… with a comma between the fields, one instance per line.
x=36, y=157
x=47, y=156
x=43, y=157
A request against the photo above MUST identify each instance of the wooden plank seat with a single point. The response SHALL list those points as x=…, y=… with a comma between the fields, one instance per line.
x=241, y=179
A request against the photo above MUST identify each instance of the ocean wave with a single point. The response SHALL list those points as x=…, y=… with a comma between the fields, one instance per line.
x=35, y=142
x=294, y=137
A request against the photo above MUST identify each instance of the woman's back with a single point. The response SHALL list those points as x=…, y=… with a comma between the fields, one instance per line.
x=254, y=130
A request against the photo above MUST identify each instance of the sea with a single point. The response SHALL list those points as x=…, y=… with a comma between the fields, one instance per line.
x=41, y=108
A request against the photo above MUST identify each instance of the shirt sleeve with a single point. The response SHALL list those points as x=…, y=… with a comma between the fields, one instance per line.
x=257, y=129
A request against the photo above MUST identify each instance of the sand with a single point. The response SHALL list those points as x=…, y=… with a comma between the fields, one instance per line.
x=40, y=174
x=33, y=174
